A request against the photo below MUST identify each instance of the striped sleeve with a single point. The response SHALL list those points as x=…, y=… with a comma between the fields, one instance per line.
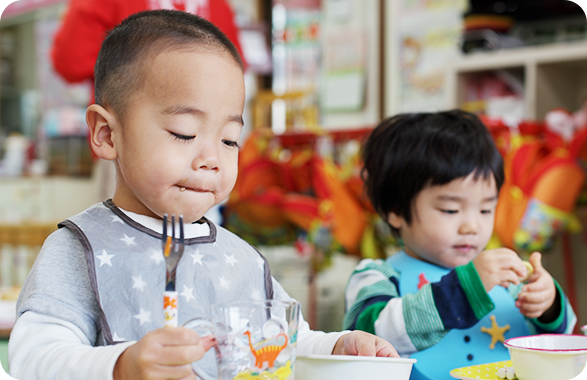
x=370, y=281
x=423, y=322
x=413, y=322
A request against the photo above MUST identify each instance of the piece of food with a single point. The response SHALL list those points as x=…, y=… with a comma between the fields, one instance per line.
x=529, y=271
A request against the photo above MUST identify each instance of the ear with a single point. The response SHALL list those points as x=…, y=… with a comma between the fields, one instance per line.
x=395, y=220
x=101, y=122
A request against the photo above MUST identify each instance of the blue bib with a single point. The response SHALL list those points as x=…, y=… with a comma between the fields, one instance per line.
x=459, y=348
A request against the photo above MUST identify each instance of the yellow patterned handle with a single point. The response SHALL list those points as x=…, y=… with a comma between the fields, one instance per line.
x=170, y=308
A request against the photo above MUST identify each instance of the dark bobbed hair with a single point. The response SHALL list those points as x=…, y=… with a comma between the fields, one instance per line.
x=130, y=46
x=407, y=152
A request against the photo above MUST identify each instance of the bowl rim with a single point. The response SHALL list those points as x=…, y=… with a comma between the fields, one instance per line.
x=352, y=358
x=509, y=344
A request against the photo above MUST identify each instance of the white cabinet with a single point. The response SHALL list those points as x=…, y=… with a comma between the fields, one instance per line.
x=552, y=75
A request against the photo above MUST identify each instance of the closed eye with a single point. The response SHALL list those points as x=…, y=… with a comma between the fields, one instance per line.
x=486, y=211
x=182, y=137
x=449, y=211
x=231, y=143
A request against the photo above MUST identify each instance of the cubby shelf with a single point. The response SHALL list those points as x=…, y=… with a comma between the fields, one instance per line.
x=553, y=75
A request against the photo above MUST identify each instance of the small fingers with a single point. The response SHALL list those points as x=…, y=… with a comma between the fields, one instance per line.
x=181, y=355
x=179, y=372
x=536, y=260
x=532, y=310
x=385, y=349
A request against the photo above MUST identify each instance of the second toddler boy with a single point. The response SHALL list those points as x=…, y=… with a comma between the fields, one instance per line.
x=444, y=299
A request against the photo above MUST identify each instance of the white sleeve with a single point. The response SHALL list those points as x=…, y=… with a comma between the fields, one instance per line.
x=316, y=342
x=44, y=347
x=309, y=342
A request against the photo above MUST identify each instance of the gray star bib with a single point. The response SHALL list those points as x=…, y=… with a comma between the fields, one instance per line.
x=127, y=271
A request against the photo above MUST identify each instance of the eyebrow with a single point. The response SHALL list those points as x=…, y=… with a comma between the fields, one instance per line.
x=457, y=199
x=186, y=110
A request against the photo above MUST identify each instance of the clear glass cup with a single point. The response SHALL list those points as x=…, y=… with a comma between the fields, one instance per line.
x=255, y=340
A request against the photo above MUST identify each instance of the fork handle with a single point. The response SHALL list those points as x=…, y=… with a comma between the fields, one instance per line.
x=170, y=299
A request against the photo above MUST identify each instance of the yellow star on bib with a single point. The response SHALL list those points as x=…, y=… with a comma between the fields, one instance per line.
x=495, y=331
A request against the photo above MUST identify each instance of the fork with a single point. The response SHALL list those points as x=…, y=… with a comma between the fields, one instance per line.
x=172, y=251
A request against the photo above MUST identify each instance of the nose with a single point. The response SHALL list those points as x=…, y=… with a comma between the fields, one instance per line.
x=207, y=157
x=470, y=226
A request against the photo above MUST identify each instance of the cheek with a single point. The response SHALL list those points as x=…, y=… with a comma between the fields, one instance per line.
x=437, y=233
x=230, y=173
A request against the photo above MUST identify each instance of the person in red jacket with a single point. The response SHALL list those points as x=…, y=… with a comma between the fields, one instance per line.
x=86, y=23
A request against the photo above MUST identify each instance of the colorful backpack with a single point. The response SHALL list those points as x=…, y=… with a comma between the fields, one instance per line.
x=543, y=182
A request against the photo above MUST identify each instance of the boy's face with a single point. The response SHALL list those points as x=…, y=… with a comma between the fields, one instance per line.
x=177, y=151
x=451, y=224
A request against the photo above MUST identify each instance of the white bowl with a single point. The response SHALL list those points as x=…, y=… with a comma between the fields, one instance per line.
x=548, y=356
x=337, y=367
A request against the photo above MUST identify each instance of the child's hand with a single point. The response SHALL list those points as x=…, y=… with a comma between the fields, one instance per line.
x=166, y=353
x=360, y=343
x=499, y=266
x=537, y=298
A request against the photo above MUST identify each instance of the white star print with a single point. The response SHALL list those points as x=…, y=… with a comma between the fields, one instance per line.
x=143, y=316
x=156, y=256
x=117, y=338
x=261, y=263
x=223, y=282
x=231, y=260
x=128, y=240
x=197, y=257
x=188, y=293
x=138, y=283
x=105, y=258
x=116, y=218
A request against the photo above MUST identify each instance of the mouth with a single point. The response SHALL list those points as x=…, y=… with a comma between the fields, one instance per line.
x=183, y=189
x=465, y=248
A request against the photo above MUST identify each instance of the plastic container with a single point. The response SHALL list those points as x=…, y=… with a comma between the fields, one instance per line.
x=336, y=367
x=548, y=356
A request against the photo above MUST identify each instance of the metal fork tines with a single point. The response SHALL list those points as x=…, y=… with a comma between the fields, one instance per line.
x=172, y=250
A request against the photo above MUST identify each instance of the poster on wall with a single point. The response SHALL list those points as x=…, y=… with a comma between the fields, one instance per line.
x=428, y=40
x=344, y=78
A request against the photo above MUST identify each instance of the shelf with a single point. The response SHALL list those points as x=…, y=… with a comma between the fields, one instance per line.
x=553, y=76
x=572, y=51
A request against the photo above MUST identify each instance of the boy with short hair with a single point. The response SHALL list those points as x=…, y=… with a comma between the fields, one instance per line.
x=169, y=102
x=435, y=179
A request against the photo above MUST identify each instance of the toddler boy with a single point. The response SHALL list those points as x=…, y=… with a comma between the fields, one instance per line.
x=444, y=299
x=169, y=95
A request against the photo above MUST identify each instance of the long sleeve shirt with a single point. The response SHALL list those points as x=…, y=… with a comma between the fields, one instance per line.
x=43, y=346
x=413, y=322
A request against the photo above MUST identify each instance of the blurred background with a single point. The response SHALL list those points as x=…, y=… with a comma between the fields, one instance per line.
x=320, y=75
